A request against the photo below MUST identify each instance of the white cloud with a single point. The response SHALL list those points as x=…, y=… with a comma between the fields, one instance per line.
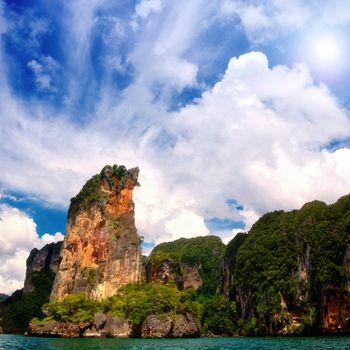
x=18, y=236
x=185, y=224
x=48, y=238
x=160, y=51
x=43, y=72
x=145, y=7
x=265, y=20
x=258, y=136
x=336, y=12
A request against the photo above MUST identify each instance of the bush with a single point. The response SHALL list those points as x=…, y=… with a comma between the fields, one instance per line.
x=136, y=302
x=73, y=308
x=219, y=316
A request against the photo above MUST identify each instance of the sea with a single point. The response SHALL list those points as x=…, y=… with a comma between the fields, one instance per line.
x=15, y=342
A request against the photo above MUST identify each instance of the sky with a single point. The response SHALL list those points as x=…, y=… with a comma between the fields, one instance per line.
x=230, y=109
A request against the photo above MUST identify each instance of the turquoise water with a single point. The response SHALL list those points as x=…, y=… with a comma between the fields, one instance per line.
x=13, y=342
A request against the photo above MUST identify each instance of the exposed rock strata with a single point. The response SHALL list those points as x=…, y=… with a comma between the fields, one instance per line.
x=101, y=250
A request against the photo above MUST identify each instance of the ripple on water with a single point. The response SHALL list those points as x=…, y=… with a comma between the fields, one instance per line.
x=13, y=342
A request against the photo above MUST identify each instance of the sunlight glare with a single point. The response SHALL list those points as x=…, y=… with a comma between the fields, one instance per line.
x=326, y=49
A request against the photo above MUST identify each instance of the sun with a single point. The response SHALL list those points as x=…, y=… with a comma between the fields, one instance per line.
x=326, y=49
x=324, y=52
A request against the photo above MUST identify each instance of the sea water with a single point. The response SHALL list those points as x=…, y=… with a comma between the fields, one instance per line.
x=15, y=342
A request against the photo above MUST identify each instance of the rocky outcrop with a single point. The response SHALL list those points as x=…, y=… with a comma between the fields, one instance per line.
x=117, y=327
x=47, y=258
x=157, y=326
x=167, y=326
x=101, y=250
x=56, y=329
x=108, y=326
x=101, y=327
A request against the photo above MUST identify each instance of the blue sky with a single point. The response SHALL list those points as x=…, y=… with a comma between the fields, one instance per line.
x=230, y=109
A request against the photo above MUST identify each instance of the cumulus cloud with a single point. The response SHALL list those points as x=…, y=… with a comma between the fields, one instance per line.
x=18, y=236
x=260, y=136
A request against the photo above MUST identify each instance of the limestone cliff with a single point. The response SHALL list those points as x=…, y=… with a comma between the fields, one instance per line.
x=291, y=273
x=47, y=258
x=101, y=250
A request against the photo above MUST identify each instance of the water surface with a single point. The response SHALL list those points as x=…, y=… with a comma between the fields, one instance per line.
x=14, y=342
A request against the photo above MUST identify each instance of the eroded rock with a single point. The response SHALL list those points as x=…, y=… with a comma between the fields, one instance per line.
x=101, y=250
x=157, y=326
x=54, y=329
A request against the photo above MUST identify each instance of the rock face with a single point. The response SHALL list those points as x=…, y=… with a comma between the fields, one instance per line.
x=336, y=312
x=167, y=326
x=101, y=250
x=47, y=258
